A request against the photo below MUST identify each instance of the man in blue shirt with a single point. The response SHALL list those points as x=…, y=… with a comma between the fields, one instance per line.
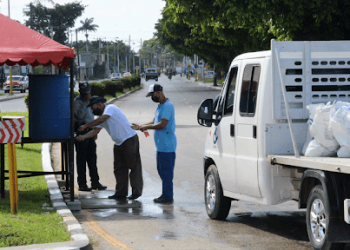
x=165, y=139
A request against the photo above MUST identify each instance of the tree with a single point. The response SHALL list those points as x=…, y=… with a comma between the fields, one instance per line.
x=57, y=19
x=88, y=26
x=218, y=30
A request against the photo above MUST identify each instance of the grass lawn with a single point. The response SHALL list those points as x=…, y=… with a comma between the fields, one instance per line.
x=218, y=82
x=32, y=224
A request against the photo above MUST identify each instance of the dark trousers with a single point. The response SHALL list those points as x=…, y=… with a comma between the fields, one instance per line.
x=86, y=153
x=165, y=167
x=127, y=157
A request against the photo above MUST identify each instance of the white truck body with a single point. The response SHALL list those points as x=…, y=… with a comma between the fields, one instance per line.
x=251, y=144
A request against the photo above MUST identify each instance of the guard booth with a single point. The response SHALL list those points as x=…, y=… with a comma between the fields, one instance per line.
x=50, y=96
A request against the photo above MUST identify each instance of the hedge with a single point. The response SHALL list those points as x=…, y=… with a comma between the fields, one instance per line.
x=112, y=87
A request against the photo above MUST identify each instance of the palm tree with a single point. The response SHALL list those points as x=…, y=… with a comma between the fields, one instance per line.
x=88, y=26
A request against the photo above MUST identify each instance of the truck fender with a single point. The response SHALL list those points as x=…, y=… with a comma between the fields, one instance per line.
x=207, y=161
x=337, y=188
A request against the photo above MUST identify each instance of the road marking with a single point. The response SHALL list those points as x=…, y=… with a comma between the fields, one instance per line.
x=90, y=221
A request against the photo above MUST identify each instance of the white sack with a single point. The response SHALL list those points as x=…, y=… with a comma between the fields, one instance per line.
x=321, y=130
x=312, y=113
x=315, y=149
x=340, y=123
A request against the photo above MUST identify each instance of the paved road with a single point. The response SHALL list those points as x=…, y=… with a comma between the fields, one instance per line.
x=183, y=225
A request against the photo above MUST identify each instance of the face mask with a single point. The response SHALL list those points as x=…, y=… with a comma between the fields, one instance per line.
x=97, y=111
x=155, y=98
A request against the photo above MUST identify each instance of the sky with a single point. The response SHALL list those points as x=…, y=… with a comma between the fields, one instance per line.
x=115, y=18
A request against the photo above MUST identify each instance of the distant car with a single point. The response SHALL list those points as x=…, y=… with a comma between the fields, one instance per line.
x=126, y=75
x=151, y=73
x=210, y=74
x=26, y=79
x=116, y=76
x=18, y=84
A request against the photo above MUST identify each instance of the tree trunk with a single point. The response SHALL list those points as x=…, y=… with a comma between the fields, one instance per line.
x=87, y=41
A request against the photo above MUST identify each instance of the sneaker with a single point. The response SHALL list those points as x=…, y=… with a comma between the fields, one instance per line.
x=98, y=186
x=163, y=201
x=85, y=188
x=117, y=197
x=133, y=197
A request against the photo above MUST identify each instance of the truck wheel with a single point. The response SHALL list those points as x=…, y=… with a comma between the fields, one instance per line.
x=217, y=205
x=317, y=221
x=156, y=79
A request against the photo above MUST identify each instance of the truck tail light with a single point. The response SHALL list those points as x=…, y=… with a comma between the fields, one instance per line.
x=347, y=210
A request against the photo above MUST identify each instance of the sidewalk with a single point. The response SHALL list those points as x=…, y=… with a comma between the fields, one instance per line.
x=16, y=95
x=205, y=84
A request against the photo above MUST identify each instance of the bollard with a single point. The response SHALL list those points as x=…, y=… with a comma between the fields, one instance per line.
x=13, y=177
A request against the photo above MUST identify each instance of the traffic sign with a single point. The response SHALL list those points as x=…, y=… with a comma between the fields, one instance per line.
x=10, y=130
x=137, y=67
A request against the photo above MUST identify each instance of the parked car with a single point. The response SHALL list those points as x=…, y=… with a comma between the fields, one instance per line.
x=127, y=75
x=26, y=80
x=116, y=76
x=18, y=83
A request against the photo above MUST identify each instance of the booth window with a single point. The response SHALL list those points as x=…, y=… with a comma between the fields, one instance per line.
x=249, y=91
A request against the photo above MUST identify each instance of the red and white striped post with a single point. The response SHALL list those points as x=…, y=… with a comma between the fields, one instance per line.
x=10, y=133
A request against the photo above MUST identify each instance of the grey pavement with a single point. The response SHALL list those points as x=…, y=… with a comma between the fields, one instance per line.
x=79, y=239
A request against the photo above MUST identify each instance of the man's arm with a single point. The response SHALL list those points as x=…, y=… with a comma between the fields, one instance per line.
x=160, y=125
x=137, y=126
x=92, y=134
x=94, y=123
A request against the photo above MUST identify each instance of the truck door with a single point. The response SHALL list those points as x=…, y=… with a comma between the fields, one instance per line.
x=246, y=137
x=224, y=137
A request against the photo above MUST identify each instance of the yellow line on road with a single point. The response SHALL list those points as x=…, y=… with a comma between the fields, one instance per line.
x=90, y=221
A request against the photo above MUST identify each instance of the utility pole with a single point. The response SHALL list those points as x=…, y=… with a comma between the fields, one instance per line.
x=140, y=56
x=76, y=38
x=99, y=51
x=129, y=52
x=114, y=57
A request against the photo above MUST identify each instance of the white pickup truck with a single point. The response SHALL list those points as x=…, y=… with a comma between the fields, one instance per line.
x=258, y=127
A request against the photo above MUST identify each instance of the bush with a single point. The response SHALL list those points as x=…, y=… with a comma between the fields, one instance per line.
x=97, y=88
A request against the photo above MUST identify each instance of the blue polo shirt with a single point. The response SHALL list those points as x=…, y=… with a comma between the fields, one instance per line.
x=165, y=139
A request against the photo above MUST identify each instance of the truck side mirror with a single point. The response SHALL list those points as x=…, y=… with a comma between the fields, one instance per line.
x=205, y=113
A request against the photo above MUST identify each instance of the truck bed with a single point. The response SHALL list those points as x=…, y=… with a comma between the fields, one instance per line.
x=332, y=164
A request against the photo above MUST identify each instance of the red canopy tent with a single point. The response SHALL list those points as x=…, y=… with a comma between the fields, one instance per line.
x=22, y=45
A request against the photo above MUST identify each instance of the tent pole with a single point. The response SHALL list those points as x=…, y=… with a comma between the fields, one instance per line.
x=71, y=141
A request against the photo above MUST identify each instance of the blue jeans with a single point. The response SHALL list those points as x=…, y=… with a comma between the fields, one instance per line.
x=165, y=167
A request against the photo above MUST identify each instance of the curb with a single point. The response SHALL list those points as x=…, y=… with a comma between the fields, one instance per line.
x=79, y=238
x=207, y=85
x=125, y=95
x=7, y=98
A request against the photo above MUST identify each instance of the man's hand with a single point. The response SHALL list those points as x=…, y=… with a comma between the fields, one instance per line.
x=80, y=137
x=82, y=128
x=143, y=128
x=135, y=126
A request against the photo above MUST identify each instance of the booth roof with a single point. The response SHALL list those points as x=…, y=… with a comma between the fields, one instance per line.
x=22, y=45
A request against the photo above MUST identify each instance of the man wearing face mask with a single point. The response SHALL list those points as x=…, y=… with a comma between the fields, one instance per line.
x=165, y=139
x=126, y=148
x=85, y=150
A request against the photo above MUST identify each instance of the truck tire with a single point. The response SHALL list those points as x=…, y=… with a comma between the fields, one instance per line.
x=317, y=221
x=157, y=79
x=217, y=205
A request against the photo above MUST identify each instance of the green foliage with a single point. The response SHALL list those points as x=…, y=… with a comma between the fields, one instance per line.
x=218, y=30
x=111, y=88
x=61, y=17
x=99, y=70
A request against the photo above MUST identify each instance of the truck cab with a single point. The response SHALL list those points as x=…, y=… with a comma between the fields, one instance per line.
x=260, y=118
